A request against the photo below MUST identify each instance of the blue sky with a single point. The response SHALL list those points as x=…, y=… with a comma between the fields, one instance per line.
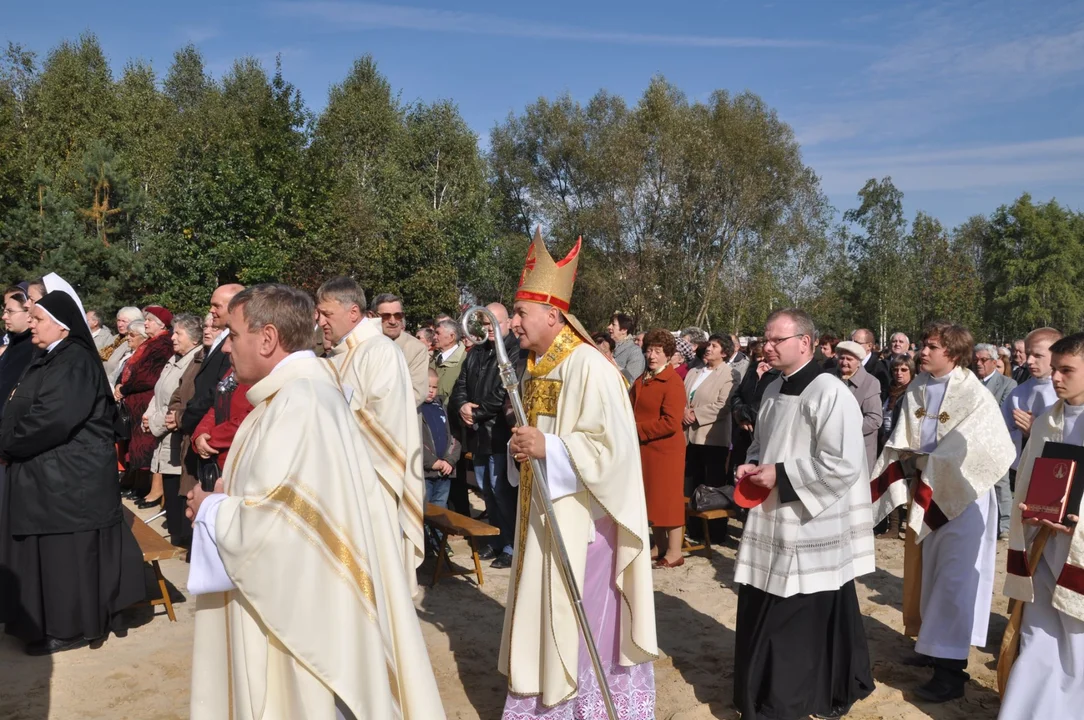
x=965, y=104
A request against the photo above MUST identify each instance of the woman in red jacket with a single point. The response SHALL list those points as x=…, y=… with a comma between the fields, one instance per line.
x=136, y=389
x=214, y=433
x=658, y=402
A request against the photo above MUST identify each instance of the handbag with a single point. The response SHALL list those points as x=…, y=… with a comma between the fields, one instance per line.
x=706, y=497
x=208, y=473
x=122, y=423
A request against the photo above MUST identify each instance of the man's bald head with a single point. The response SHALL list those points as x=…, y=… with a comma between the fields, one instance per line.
x=862, y=336
x=220, y=303
x=501, y=313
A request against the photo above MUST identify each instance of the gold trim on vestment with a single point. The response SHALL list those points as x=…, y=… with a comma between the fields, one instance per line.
x=350, y=560
x=386, y=443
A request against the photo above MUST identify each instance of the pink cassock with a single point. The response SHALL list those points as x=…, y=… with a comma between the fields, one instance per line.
x=633, y=688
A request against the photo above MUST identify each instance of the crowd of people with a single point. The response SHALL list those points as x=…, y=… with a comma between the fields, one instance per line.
x=932, y=443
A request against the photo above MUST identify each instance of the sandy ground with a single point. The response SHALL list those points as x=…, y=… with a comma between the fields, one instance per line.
x=145, y=675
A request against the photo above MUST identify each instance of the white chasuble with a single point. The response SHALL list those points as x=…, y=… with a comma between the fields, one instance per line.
x=376, y=379
x=320, y=612
x=576, y=395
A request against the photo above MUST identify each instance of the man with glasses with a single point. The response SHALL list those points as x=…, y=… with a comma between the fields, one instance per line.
x=389, y=308
x=376, y=381
x=872, y=363
x=985, y=357
x=800, y=645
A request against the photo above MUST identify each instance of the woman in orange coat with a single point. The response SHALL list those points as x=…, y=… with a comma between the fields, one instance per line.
x=658, y=401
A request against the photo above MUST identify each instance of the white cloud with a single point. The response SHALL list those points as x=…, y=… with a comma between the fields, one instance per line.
x=197, y=34
x=1015, y=165
x=345, y=15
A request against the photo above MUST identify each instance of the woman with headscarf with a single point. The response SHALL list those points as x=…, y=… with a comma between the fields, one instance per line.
x=75, y=562
x=135, y=390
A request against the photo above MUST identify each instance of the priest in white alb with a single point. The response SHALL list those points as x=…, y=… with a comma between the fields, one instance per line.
x=581, y=425
x=1041, y=668
x=303, y=611
x=800, y=647
x=945, y=456
x=376, y=378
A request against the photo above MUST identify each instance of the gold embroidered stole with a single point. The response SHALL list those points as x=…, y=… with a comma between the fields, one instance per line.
x=540, y=398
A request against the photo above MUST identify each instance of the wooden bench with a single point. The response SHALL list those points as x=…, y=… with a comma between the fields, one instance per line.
x=452, y=523
x=155, y=548
x=704, y=516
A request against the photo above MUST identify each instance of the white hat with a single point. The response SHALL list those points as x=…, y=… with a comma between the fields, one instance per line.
x=851, y=348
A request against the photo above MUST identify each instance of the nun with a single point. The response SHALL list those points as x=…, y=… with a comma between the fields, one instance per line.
x=73, y=558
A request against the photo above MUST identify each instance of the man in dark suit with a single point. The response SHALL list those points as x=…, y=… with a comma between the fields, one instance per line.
x=1020, y=372
x=214, y=366
x=985, y=361
x=872, y=363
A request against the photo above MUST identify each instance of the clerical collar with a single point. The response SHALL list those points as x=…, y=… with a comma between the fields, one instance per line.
x=294, y=356
x=799, y=380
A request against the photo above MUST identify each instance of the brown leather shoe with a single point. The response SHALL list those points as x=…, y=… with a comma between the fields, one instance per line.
x=664, y=563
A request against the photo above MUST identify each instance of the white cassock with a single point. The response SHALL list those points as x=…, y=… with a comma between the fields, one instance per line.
x=578, y=399
x=956, y=422
x=376, y=379
x=302, y=609
x=1047, y=678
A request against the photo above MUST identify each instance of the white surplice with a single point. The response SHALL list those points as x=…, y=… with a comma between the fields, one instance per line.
x=305, y=612
x=376, y=379
x=1047, y=678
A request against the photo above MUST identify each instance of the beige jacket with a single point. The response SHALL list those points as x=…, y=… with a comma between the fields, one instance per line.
x=711, y=404
x=417, y=360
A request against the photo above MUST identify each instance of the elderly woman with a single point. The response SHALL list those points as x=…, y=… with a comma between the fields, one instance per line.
x=135, y=390
x=684, y=353
x=166, y=462
x=658, y=399
x=180, y=528
x=75, y=562
x=706, y=415
x=865, y=388
x=114, y=354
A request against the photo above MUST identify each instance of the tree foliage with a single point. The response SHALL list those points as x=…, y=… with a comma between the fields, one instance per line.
x=157, y=187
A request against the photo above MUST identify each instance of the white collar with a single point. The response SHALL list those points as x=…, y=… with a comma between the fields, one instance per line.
x=445, y=354
x=294, y=356
x=219, y=340
x=52, y=345
x=788, y=377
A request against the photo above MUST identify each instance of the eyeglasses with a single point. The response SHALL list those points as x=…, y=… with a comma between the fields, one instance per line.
x=389, y=316
x=985, y=360
x=774, y=342
x=8, y=311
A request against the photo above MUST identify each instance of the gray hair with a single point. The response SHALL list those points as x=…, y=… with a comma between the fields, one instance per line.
x=803, y=323
x=129, y=313
x=288, y=309
x=138, y=327
x=900, y=334
x=191, y=325
x=453, y=326
x=343, y=290
x=986, y=348
x=695, y=335
x=386, y=298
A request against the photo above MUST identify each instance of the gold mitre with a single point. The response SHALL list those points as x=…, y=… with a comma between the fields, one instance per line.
x=550, y=282
x=546, y=281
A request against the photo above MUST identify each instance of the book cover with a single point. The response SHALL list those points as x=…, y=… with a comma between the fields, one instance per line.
x=1048, y=491
x=1067, y=451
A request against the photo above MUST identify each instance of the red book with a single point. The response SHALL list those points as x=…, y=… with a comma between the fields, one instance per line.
x=1048, y=491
